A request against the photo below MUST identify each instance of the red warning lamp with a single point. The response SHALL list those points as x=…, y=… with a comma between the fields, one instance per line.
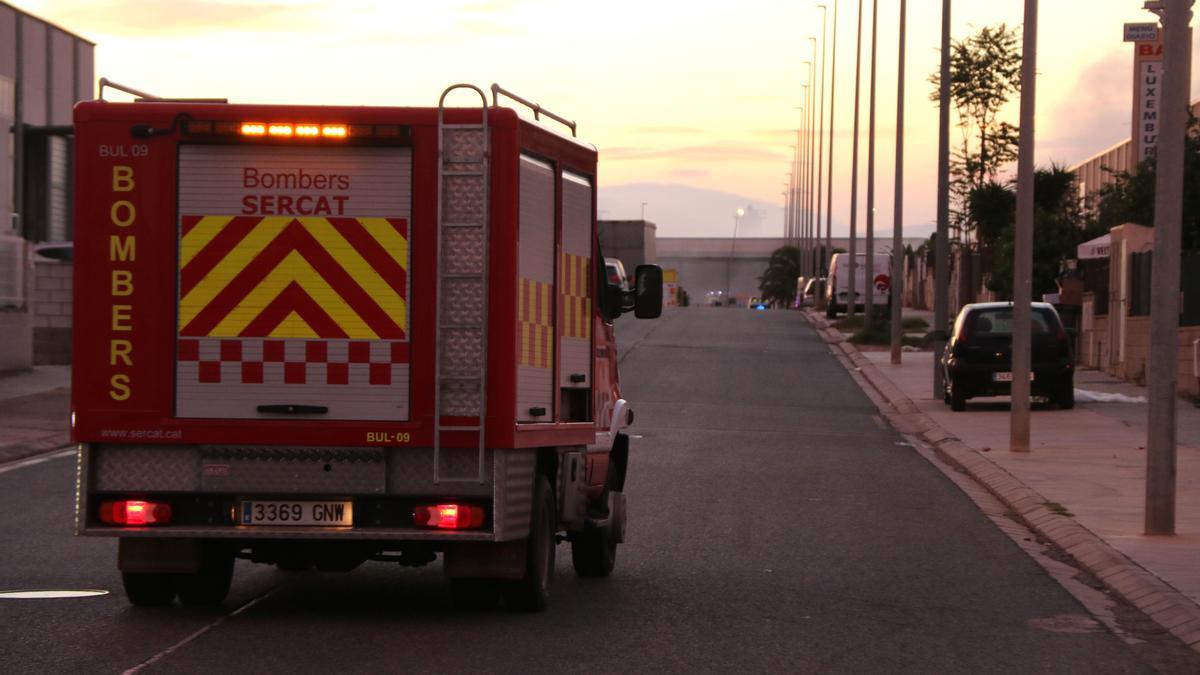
x=135, y=512
x=449, y=516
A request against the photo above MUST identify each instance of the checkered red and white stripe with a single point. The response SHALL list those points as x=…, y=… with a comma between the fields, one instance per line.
x=266, y=361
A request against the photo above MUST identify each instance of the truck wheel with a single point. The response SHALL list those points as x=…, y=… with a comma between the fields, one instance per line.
x=145, y=589
x=210, y=585
x=531, y=592
x=594, y=552
x=475, y=594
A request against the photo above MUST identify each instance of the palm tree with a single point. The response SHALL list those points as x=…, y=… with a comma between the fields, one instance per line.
x=778, y=281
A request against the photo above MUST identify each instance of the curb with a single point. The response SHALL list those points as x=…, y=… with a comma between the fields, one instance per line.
x=1170, y=609
x=13, y=452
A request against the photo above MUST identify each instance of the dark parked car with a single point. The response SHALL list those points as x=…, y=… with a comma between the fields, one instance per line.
x=978, y=358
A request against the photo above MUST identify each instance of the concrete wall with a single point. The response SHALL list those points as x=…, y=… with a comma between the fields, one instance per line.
x=16, y=323
x=633, y=242
x=52, y=297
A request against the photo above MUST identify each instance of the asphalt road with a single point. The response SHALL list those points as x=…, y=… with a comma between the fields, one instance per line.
x=775, y=526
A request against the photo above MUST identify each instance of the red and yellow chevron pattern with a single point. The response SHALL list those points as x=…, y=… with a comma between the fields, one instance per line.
x=536, y=315
x=573, y=285
x=288, y=277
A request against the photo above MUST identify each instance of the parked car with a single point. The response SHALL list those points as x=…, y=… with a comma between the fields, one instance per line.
x=808, y=296
x=837, y=291
x=978, y=357
x=615, y=270
x=58, y=251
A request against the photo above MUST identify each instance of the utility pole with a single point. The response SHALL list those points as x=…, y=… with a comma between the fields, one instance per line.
x=832, y=119
x=898, y=218
x=1022, y=327
x=821, y=255
x=850, y=306
x=811, y=169
x=1175, y=16
x=941, y=244
x=869, y=303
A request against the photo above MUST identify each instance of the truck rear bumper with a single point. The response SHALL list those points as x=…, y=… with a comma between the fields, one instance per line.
x=205, y=484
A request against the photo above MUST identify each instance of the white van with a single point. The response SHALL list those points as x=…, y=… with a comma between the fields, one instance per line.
x=838, y=288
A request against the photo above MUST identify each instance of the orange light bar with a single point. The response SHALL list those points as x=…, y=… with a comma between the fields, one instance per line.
x=280, y=130
x=253, y=129
x=333, y=131
x=308, y=130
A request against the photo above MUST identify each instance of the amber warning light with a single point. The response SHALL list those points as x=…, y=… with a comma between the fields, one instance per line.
x=296, y=130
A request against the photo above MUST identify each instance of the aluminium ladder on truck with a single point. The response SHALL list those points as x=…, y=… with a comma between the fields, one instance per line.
x=460, y=373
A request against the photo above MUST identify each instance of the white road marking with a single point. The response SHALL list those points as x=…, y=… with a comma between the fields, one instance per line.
x=31, y=461
x=48, y=594
x=169, y=650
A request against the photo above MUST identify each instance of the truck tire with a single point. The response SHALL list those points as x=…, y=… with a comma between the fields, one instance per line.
x=145, y=589
x=531, y=593
x=594, y=552
x=475, y=594
x=210, y=585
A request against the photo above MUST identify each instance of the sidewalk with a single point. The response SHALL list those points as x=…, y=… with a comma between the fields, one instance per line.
x=1082, y=486
x=35, y=411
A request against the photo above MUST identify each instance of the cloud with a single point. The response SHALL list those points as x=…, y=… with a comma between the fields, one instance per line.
x=675, y=131
x=696, y=153
x=137, y=17
x=691, y=173
x=1092, y=115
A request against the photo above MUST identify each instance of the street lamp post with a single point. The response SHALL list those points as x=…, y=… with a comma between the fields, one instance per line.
x=1164, y=305
x=941, y=268
x=832, y=118
x=1022, y=321
x=820, y=158
x=898, y=218
x=869, y=302
x=729, y=264
x=853, y=294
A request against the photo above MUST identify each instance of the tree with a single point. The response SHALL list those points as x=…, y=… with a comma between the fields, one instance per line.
x=778, y=281
x=1058, y=225
x=985, y=71
x=1130, y=199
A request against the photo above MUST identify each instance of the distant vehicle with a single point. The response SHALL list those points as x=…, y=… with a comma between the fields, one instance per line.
x=57, y=251
x=714, y=299
x=978, y=357
x=808, y=294
x=615, y=270
x=756, y=303
x=838, y=288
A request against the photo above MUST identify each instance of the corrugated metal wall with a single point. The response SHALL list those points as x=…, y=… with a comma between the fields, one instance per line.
x=44, y=71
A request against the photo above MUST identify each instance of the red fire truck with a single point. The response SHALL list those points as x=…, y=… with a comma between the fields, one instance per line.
x=317, y=336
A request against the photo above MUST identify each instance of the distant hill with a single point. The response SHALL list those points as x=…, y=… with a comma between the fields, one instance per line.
x=684, y=211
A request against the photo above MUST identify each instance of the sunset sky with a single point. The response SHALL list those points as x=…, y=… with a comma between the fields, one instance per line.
x=699, y=93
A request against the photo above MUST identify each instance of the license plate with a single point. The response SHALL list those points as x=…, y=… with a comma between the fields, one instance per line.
x=328, y=514
x=1007, y=377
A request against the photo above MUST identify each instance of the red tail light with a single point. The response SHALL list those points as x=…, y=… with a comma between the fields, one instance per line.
x=449, y=516
x=135, y=512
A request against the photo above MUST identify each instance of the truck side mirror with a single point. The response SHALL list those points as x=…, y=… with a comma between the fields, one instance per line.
x=648, y=292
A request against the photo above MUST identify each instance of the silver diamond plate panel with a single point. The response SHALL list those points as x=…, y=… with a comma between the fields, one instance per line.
x=266, y=470
x=463, y=199
x=410, y=472
x=513, y=500
x=460, y=399
x=457, y=465
x=462, y=352
x=462, y=250
x=145, y=468
x=462, y=301
x=464, y=147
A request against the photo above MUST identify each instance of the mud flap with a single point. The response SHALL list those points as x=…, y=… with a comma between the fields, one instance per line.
x=491, y=560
